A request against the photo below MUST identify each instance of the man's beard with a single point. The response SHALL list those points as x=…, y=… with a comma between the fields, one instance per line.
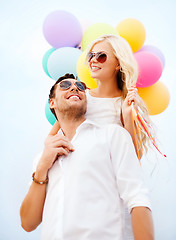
x=73, y=112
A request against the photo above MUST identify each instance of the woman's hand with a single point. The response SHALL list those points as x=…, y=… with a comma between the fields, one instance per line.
x=132, y=96
x=127, y=117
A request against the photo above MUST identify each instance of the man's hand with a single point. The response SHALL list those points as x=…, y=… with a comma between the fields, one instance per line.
x=55, y=146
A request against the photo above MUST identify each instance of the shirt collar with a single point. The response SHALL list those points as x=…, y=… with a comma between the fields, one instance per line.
x=87, y=122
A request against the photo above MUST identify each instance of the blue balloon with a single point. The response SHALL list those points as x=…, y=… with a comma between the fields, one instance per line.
x=49, y=115
x=45, y=60
x=62, y=61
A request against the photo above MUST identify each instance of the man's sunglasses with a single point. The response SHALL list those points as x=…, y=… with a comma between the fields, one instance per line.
x=66, y=84
x=99, y=56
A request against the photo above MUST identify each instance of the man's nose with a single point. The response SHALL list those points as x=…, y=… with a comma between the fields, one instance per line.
x=73, y=87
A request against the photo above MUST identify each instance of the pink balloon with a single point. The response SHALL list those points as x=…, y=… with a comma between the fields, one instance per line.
x=150, y=69
x=156, y=51
x=62, y=29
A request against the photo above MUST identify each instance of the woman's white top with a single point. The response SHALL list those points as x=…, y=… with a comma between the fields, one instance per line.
x=103, y=110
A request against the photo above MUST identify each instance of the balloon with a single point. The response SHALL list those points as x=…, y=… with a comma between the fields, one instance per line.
x=85, y=23
x=155, y=51
x=156, y=97
x=95, y=31
x=45, y=60
x=62, y=61
x=83, y=72
x=133, y=31
x=150, y=68
x=62, y=29
x=49, y=115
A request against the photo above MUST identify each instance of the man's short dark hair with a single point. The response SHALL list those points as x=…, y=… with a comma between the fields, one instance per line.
x=53, y=88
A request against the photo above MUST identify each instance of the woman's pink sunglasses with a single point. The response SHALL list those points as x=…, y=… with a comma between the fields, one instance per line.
x=99, y=56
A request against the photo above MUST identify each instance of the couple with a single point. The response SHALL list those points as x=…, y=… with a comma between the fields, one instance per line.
x=86, y=173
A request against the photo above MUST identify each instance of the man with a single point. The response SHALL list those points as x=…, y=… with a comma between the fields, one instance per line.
x=92, y=173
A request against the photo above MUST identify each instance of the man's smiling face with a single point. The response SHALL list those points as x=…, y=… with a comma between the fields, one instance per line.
x=69, y=100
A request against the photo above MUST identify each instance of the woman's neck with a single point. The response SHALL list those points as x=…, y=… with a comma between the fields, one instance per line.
x=106, y=89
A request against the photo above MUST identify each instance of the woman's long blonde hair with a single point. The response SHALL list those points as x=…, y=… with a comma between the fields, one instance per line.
x=128, y=73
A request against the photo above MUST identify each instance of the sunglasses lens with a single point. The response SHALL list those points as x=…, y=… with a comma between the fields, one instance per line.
x=101, y=57
x=65, y=84
x=89, y=56
x=81, y=86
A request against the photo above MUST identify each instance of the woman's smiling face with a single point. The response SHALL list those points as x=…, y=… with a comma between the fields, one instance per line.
x=107, y=69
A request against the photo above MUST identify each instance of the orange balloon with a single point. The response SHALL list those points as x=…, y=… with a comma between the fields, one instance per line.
x=156, y=97
x=84, y=73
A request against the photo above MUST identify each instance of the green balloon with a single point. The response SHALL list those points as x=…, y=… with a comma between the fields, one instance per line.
x=49, y=115
x=95, y=31
x=45, y=60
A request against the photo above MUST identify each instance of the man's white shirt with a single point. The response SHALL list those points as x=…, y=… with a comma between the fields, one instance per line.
x=88, y=189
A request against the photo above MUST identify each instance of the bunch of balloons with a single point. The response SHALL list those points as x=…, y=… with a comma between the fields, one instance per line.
x=65, y=34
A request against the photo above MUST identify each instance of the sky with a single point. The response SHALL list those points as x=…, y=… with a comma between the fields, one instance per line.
x=25, y=87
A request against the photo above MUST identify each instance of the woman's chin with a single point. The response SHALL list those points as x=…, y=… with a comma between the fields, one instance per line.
x=95, y=75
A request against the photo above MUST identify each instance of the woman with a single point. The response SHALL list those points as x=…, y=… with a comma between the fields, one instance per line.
x=113, y=66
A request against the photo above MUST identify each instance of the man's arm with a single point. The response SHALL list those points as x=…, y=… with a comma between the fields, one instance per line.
x=142, y=223
x=131, y=185
x=32, y=207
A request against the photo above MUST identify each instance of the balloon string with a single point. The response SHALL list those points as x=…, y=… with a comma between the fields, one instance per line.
x=142, y=121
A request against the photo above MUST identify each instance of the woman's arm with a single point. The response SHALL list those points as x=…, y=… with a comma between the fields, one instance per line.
x=127, y=119
x=55, y=128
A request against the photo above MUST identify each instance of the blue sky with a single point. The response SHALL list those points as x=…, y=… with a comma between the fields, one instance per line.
x=24, y=91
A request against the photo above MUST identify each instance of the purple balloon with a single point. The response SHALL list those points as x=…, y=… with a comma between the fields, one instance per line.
x=62, y=29
x=155, y=51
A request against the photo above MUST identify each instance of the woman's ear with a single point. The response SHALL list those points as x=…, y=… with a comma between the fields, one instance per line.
x=117, y=68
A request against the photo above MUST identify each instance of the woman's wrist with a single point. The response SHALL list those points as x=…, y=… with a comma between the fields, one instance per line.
x=126, y=117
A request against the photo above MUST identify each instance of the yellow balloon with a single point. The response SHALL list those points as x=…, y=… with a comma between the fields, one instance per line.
x=156, y=97
x=95, y=31
x=84, y=73
x=133, y=31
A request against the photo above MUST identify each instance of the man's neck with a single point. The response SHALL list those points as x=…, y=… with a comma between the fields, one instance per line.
x=69, y=126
